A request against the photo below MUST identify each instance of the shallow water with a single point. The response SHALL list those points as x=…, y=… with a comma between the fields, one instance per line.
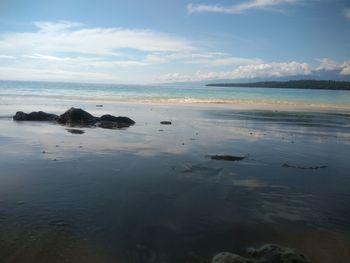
x=150, y=193
x=53, y=94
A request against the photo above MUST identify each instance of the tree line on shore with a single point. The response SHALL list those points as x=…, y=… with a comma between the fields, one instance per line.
x=292, y=84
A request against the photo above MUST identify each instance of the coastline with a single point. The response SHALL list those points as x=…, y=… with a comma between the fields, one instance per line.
x=67, y=95
x=253, y=166
x=148, y=187
x=248, y=105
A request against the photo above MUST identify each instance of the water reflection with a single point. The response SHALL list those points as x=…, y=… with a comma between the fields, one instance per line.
x=140, y=195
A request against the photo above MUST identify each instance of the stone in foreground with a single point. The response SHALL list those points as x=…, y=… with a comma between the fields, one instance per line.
x=111, y=122
x=77, y=117
x=119, y=119
x=266, y=254
x=227, y=257
x=34, y=116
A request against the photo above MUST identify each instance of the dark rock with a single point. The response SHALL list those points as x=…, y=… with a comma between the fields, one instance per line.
x=119, y=119
x=34, y=116
x=99, y=105
x=305, y=167
x=278, y=254
x=77, y=117
x=75, y=131
x=266, y=254
x=111, y=122
x=165, y=122
x=227, y=257
x=227, y=157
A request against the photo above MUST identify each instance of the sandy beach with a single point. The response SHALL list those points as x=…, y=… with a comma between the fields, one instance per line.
x=151, y=192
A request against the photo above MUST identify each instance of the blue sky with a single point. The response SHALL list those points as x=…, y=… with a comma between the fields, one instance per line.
x=165, y=41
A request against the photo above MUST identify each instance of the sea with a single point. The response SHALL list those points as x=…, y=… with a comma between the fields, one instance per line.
x=153, y=193
x=57, y=95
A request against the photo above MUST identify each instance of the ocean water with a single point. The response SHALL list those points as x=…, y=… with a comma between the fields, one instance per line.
x=52, y=94
x=152, y=194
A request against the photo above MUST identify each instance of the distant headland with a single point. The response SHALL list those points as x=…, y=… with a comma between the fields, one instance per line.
x=292, y=84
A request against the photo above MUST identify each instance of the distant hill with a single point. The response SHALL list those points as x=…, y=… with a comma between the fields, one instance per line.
x=292, y=84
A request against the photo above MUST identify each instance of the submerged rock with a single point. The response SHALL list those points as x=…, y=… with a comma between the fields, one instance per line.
x=108, y=121
x=227, y=257
x=266, y=254
x=227, y=157
x=305, y=167
x=120, y=119
x=278, y=254
x=77, y=117
x=111, y=122
x=165, y=122
x=34, y=116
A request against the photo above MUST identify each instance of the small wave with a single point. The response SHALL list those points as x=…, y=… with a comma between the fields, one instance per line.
x=9, y=99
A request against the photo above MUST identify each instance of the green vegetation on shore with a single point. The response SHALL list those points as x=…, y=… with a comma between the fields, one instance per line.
x=292, y=84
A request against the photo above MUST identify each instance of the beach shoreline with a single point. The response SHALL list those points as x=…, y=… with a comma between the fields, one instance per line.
x=152, y=190
x=190, y=189
x=245, y=106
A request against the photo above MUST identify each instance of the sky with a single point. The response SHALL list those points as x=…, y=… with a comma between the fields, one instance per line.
x=157, y=41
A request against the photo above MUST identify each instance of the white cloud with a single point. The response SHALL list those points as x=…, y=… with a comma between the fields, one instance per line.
x=226, y=61
x=327, y=65
x=46, y=26
x=345, y=68
x=98, y=62
x=72, y=37
x=238, y=8
x=206, y=59
x=25, y=73
x=274, y=69
x=264, y=70
x=6, y=57
x=347, y=13
x=47, y=57
x=71, y=51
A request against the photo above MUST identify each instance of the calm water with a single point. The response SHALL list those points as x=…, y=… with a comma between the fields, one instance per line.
x=150, y=194
x=31, y=93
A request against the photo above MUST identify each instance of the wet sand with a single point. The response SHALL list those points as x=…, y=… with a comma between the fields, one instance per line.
x=150, y=193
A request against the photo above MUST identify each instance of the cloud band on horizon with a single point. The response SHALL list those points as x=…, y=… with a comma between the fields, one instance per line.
x=65, y=50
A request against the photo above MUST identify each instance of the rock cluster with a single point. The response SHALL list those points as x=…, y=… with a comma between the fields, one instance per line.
x=34, y=116
x=76, y=117
x=266, y=254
